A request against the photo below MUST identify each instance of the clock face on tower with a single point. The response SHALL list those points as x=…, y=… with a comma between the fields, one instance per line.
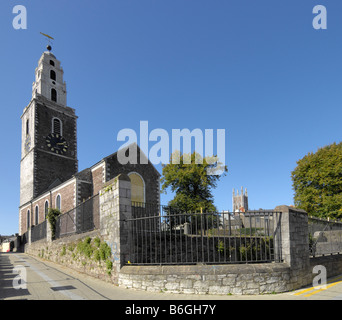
x=56, y=143
x=28, y=143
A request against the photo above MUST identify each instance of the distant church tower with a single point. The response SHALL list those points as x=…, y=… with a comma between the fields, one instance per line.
x=49, y=132
x=240, y=201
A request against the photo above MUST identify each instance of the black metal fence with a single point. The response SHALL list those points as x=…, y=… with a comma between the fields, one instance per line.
x=325, y=236
x=193, y=238
x=85, y=217
x=24, y=238
x=38, y=232
x=142, y=209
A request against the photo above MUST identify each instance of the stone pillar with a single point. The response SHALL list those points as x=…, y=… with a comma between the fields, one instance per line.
x=186, y=228
x=293, y=235
x=29, y=232
x=48, y=232
x=115, y=209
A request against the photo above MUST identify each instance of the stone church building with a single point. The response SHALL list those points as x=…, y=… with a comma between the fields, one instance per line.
x=49, y=176
x=240, y=201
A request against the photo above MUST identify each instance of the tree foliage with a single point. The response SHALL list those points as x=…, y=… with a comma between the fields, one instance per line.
x=52, y=218
x=317, y=182
x=190, y=181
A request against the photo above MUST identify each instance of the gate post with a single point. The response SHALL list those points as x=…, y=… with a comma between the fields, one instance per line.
x=48, y=232
x=295, y=244
x=115, y=209
x=29, y=234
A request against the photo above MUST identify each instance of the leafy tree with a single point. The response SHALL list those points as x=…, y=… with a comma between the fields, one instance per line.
x=189, y=179
x=317, y=182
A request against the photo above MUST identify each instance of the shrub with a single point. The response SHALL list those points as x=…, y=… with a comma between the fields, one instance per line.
x=63, y=253
x=109, y=265
x=52, y=218
x=85, y=247
x=97, y=250
x=97, y=242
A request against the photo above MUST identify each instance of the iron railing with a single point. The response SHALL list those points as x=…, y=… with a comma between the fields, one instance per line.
x=142, y=209
x=24, y=238
x=145, y=209
x=38, y=232
x=85, y=217
x=192, y=238
x=325, y=236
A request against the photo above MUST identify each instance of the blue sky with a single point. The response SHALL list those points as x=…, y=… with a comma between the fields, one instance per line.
x=257, y=69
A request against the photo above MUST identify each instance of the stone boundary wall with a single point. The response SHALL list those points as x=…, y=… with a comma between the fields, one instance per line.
x=64, y=252
x=208, y=279
x=332, y=263
x=264, y=278
x=238, y=279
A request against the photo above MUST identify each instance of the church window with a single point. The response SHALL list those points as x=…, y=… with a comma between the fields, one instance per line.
x=52, y=75
x=52, y=63
x=58, y=202
x=57, y=126
x=28, y=219
x=53, y=95
x=27, y=127
x=46, y=208
x=37, y=215
x=137, y=188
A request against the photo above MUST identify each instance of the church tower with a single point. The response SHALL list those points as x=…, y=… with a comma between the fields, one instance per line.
x=49, y=132
x=240, y=201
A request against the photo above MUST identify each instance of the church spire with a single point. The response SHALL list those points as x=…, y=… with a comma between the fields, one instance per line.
x=49, y=79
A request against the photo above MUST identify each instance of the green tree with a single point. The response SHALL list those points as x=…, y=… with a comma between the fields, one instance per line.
x=317, y=182
x=188, y=178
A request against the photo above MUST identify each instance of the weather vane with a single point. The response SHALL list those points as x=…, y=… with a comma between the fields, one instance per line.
x=49, y=40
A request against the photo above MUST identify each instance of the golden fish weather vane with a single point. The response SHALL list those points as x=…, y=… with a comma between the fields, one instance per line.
x=49, y=39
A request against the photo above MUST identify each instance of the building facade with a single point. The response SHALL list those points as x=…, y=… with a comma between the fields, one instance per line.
x=49, y=176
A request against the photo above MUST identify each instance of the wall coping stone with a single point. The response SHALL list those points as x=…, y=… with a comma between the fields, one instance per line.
x=282, y=207
x=207, y=269
x=121, y=177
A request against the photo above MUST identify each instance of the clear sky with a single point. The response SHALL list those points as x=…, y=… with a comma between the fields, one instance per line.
x=257, y=69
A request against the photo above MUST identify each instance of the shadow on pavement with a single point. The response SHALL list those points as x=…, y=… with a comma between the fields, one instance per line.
x=6, y=279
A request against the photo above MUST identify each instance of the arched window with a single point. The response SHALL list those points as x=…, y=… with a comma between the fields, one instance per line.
x=46, y=208
x=52, y=75
x=37, y=215
x=57, y=126
x=58, y=202
x=137, y=187
x=27, y=127
x=53, y=95
x=52, y=63
x=28, y=219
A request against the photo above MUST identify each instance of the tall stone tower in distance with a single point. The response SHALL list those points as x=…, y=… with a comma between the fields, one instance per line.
x=240, y=201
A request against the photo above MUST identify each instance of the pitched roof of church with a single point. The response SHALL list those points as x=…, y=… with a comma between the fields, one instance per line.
x=115, y=154
x=56, y=183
